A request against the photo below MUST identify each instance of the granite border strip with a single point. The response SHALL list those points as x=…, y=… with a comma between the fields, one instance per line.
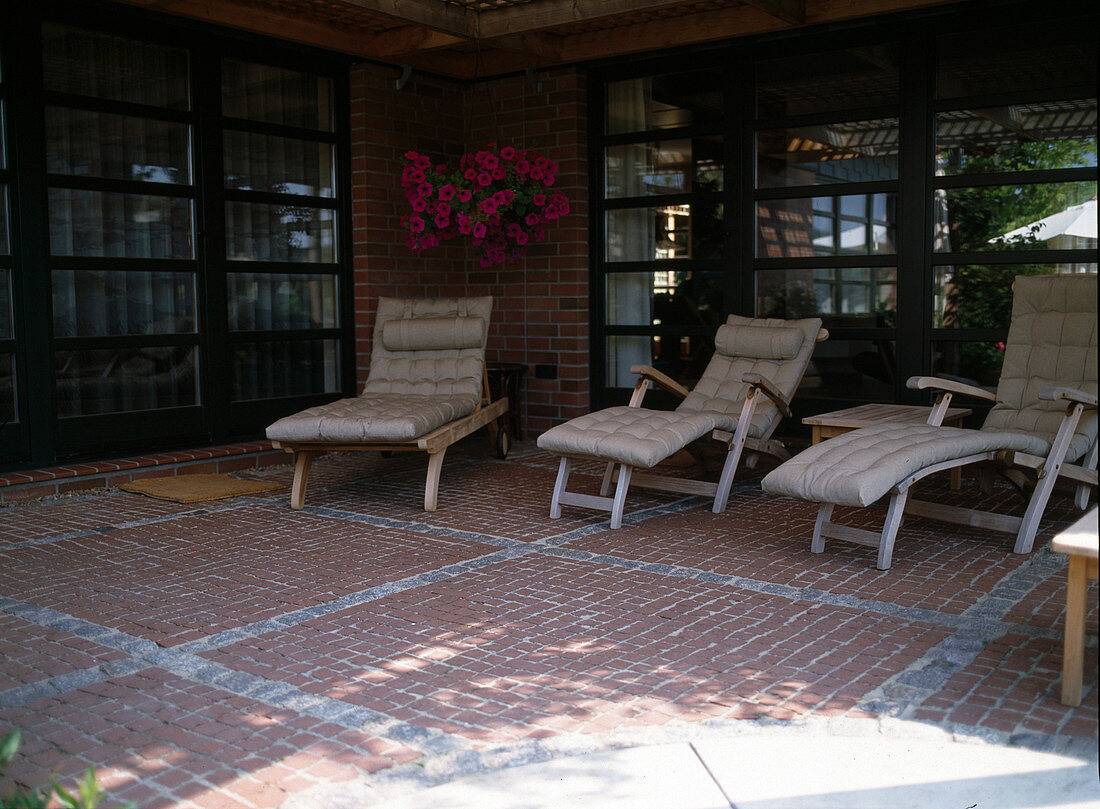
x=146, y=654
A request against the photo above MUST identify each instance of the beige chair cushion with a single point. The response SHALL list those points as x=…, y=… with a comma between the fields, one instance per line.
x=433, y=333
x=1052, y=341
x=860, y=467
x=451, y=371
x=631, y=435
x=721, y=393
x=765, y=343
x=372, y=417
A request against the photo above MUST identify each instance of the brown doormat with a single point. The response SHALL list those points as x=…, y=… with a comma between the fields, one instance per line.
x=195, y=488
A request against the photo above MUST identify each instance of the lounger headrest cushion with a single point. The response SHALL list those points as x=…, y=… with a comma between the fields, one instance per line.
x=433, y=333
x=759, y=342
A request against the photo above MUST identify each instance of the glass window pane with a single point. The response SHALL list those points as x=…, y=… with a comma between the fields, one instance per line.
x=296, y=233
x=1055, y=216
x=285, y=368
x=281, y=301
x=979, y=296
x=97, y=223
x=861, y=297
x=5, y=246
x=8, y=412
x=827, y=82
x=664, y=298
x=123, y=147
x=89, y=303
x=850, y=152
x=804, y=227
x=286, y=165
x=104, y=66
x=1019, y=137
x=662, y=102
x=664, y=167
x=680, y=356
x=669, y=231
x=276, y=95
x=125, y=379
x=852, y=369
x=5, y=305
x=977, y=364
x=1037, y=57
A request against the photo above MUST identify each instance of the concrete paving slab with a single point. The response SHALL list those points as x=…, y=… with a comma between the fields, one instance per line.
x=871, y=773
x=659, y=777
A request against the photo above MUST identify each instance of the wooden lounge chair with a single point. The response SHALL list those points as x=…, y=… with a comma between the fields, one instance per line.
x=1043, y=423
x=752, y=356
x=427, y=388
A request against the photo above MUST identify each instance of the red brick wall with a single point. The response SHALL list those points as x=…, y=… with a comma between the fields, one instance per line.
x=540, y=312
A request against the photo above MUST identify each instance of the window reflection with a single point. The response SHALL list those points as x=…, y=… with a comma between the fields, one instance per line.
x=95, y=303
x=663, y=102
x=276, y=95
x=281, y=301
x=665, y=232
x=296, y=233
x=1017, y=137
x=1016, y=217
x=284, y=368
x=824, y=82
x=119, y=147
x=664, y=167
x=856, y=224
x=97, y=223
x=125, y=379
x=979, y=296
x=284, y=165
x=845, y=296
x=855, y=151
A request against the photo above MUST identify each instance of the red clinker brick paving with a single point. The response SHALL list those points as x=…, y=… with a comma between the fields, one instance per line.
x=162, y=741
x=33, y=653
x=181, y=579
x=679, y=617
x=484, y=657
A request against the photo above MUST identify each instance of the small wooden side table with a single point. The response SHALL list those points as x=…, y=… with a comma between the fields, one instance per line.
x=1079, y=542
x=838, y=422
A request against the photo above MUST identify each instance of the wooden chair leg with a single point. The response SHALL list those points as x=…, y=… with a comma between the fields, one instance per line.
x=817, y=545
x=564, y=468
x=608, y=479
x=1048, y=475
x=1081, y=497
x=894, y=514
x=431, y=485
x=620, y=496
x=302, y=462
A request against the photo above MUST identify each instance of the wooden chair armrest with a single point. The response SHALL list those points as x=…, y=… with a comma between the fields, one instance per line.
x=765, y=385
x=822, y=336
x=659, y=379
x=949, y=385
x=1069, y=394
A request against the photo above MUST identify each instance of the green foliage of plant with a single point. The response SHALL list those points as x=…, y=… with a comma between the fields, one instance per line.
x=88, y=794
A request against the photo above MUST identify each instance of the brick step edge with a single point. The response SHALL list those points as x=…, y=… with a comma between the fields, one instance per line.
x=32, y=484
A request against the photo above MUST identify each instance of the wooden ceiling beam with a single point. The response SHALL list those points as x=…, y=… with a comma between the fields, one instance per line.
x=312, y=31
x=687, y=29
x=433, y=14
x=789, y=11
x=544, y=14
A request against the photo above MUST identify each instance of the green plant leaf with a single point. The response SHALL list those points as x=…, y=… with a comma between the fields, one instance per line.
x=8, y=747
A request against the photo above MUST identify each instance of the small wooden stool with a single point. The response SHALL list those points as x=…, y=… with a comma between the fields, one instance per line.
x=1079, y=541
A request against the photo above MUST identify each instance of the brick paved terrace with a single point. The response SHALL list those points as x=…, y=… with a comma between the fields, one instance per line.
x=235, y=653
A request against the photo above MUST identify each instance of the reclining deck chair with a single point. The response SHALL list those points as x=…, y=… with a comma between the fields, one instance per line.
x=427, y=388
x=1043, y=419
x=752, y=356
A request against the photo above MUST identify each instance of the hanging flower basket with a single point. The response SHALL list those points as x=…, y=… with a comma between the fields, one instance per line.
x=499, y=198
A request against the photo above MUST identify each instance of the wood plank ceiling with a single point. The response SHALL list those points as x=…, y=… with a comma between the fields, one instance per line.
x=465, y=39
